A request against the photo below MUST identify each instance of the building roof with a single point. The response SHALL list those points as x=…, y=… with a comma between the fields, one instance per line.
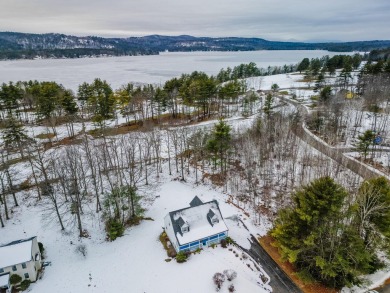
x=196, y=202
x=16, y=252
x=197, y=218
x=4, y=280
x=211, y=213
x=180, y=222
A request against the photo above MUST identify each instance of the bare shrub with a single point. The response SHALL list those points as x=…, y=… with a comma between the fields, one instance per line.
x=230, y=274
x=82, y=249
x=218, y=280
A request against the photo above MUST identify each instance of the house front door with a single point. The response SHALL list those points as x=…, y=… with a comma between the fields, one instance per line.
x=204, y=242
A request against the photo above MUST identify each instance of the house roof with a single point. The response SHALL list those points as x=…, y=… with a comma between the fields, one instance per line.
x=180, y=222
x=197, y=218
x=196, y=202
x=211, y=214
x=4, y=280
x=15, y=252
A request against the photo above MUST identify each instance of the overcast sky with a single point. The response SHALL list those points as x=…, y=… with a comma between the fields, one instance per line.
x=303, y=20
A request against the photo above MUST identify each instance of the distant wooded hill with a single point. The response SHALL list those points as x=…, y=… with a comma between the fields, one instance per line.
x=383, y=54
x=28, y=46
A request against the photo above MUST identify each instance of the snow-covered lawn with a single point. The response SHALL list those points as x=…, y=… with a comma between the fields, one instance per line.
x=136, y=261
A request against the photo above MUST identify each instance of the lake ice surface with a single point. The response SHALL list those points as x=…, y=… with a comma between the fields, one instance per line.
x=143, y=69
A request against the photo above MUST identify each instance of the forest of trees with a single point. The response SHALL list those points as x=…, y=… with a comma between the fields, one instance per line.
x=340, y=107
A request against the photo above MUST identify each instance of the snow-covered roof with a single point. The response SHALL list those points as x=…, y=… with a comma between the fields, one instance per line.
x=4, y=280
x=199, y=222
x=15, y=252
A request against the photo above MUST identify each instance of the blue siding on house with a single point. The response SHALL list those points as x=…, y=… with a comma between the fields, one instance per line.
x=210, y=240
x=184, y=247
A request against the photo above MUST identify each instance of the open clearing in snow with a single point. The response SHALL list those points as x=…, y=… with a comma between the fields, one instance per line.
x=136, y=261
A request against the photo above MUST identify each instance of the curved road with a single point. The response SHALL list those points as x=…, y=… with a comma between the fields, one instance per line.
x=336, y=154
x=280, y=282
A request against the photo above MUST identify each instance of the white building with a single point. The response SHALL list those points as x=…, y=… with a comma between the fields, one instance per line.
x=4, y=283
x=197, y=226
x=21, y=257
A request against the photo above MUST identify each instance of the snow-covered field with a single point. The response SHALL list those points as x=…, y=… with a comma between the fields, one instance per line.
x=136, y=261
x=144, y=69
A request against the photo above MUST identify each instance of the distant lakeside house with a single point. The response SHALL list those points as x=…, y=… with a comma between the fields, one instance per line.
x=197, y=226
x=20, y=257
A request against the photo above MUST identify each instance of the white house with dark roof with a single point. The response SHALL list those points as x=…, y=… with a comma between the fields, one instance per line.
x=21, y=257
x=199, y=225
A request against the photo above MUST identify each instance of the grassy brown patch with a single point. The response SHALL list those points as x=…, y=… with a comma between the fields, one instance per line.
x=119, y=130
x=217, y=179
x=65, y=141
x=230, y=201
x=267, y=243
x=307, y=79
x=14, y=161
x=45, y=136
x=171, y=252
x=69, y=141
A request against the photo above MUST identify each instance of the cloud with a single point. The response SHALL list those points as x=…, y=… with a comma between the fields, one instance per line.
x=271, y=19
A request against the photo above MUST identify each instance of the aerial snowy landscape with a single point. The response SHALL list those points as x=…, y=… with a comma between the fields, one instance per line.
x=83, y=262
x=190, y=147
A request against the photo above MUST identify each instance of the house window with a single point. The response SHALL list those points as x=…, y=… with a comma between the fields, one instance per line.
x=14, y=268
x=1, y=270
x=24, y=265
x=26, y=276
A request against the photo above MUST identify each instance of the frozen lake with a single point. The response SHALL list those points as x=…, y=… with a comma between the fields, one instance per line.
x=143, y=69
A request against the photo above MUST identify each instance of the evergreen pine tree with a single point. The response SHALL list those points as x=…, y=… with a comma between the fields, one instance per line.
x=364, y=142
x=219, y=143
x=14, y=135
x=317, y=235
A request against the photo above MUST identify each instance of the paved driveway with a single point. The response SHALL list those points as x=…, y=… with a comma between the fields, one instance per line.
x=280, y=282
x=385, y=289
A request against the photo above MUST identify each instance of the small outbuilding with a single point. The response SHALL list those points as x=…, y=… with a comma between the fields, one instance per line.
x=197, y=226
x=21, y=257
x=5, y=285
